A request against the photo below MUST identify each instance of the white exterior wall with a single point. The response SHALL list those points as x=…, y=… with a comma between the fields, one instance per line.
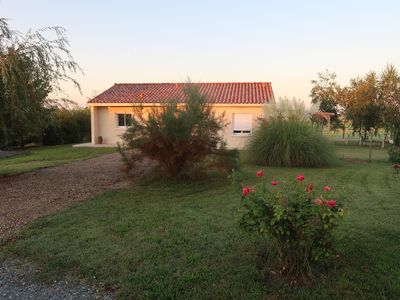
x=104, y=122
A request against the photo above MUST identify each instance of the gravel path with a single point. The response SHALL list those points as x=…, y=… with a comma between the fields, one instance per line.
x=4, y=154
x=16, y=282
x=28, y=196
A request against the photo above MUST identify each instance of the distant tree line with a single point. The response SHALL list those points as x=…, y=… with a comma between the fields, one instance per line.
x=31, y=68
x=370, y=103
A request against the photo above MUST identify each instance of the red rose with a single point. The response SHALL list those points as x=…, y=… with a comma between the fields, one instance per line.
x=274, y=182
x=260, y=173
x=327, y=188
x=331, y=203
x=300, y=177
x=245, y=191
x=310, y=187
x=318, y=201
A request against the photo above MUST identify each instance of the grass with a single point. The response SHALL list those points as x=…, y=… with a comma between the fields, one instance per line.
x=180, y=240
x=360, y=153
x=41, y=157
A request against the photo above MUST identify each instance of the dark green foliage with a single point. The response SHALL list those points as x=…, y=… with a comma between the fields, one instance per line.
x=67, y=127
x=394, y=154
x=31, y=67
x=289, y=143
x=22, y=114
x=179, y=137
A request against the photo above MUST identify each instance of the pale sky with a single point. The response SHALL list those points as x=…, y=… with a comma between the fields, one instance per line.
x=284, y=42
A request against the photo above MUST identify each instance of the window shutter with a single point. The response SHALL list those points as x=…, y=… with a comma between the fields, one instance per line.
x=242, y=123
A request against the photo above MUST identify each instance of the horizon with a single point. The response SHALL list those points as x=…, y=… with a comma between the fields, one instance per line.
x=284, y=43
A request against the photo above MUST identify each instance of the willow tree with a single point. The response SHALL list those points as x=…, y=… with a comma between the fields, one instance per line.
x=32, y=65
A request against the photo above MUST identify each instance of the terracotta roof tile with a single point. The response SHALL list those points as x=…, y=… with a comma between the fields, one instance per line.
x=217, y=92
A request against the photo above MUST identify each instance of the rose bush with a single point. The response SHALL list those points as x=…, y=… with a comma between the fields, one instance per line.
x=396, y=168
x=297, y=218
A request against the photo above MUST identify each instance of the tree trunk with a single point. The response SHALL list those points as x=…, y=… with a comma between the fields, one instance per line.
x=343, y=131
x=384, y=140
x=370, y=145
x=361, y=131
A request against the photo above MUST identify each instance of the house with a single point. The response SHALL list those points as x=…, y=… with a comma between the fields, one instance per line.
x=242, y=102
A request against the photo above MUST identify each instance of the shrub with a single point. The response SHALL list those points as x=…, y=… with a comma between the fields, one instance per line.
x=394, y=154
x=66, y=126
x=296, y=218
x=179, y=137
x=289, y=143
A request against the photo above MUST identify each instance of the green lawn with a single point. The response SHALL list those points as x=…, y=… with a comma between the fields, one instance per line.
x=36, y=158
x=181, y=240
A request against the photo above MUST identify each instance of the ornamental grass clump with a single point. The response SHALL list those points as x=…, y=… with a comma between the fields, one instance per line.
x=289, y=143
x=297, y=219
x=286, y=138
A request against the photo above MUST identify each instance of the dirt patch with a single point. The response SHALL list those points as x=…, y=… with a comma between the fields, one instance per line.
x=28, y=196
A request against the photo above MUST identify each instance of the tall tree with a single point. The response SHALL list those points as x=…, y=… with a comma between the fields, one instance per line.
x=363, y=106
x=328, y=94
x=389, y=90
x=31, y=67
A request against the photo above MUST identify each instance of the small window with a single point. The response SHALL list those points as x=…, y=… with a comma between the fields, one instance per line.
x=124, y=120
x=242, y=124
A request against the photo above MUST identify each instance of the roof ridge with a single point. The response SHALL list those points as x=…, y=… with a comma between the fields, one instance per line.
x=210, y=82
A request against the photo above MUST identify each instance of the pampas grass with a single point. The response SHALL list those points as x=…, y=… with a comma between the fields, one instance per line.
x=288, y=139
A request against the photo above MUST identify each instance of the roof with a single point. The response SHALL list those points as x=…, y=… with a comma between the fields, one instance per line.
x=323, y=115
x=217, y=92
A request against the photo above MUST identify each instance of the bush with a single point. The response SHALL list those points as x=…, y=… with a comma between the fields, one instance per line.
x=179, y=137
x=296, y=218
x=289, y=143
x=67, y=126
x=394, y=154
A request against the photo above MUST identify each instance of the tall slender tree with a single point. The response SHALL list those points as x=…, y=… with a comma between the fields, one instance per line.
x=389, y=93
x=364, y=108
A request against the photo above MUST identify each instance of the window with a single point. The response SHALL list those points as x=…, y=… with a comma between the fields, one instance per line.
x=124, y=120
x=242, y=124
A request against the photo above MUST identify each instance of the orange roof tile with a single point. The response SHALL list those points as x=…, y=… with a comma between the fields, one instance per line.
x=217, y=92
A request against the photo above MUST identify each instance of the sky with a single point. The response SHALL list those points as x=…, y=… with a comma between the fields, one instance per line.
x=283, y=42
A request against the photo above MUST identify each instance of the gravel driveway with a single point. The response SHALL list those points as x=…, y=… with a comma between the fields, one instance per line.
x=28, y=196
x=16, y=282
